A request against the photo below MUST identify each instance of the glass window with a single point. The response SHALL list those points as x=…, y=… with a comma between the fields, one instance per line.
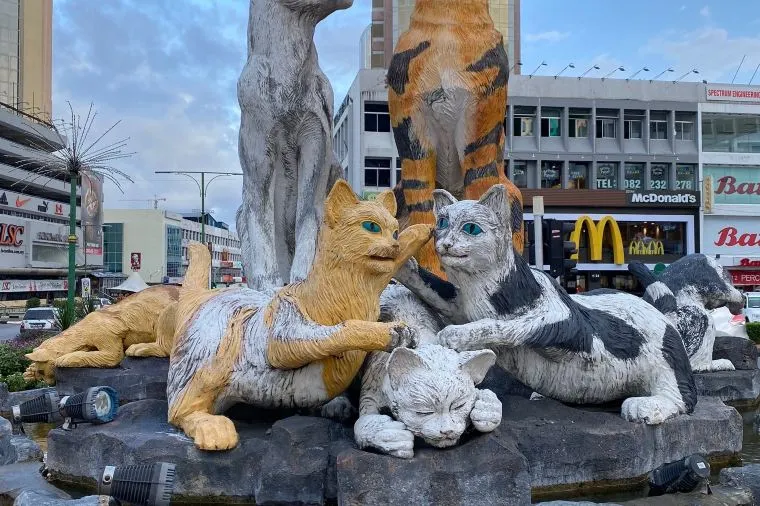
x=633, y=129
x=730, y=133
x=606, y=128
x=376, y=117
x=658, y=130
x=550, y=122
x=551, y=174
x=578, y=122
x=523, y=121
x=607, y=176
x=686, y=177
x=634, y=176
x=377, y=172
x=652, y=242
x=398, y=170
x=684, y=130
x=113, y=246
x=520, y=173
x=658, y=177
x=173, y=251
x=577, y=175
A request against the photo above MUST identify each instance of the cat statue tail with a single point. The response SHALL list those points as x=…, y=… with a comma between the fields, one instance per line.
x=656, y=292
x=195, y=286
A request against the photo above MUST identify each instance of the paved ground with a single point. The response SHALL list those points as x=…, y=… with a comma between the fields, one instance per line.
x=8, y=331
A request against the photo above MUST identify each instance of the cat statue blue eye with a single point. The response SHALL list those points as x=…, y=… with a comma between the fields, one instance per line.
x=472, y=229
x=443, y=223
x=371, y=226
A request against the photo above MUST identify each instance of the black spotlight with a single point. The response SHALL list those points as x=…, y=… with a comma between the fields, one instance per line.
x=150, y=485
x=684, y=475
x=42, y=409
x=94, y=405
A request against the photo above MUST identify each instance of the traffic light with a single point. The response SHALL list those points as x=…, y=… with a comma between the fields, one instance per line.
x=558, y=251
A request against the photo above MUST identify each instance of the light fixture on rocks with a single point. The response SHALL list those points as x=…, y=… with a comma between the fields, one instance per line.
x=94, y=405
x=149, y=485
x=683, y=475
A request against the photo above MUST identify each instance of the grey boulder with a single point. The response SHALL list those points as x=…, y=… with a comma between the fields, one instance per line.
x=36, y=498
x=742, y=386
x=134, y=379
x=747, y=476
x=740, y=351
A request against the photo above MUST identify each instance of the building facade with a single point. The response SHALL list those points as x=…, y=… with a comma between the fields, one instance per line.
x=619, y=158
x=153, y=242
x=730, y=163
x=26, y=56
x=390, y=18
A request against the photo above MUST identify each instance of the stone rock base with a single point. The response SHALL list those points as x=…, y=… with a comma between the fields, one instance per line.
x=736, y=387
x=747, y=476
x=741, y=352
x=542, y=447
x=134, y=379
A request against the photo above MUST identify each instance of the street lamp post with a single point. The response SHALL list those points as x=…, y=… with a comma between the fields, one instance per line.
x=203, y=187
x=73, y=176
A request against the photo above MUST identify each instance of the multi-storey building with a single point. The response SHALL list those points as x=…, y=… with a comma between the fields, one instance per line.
x=730, y=162
x=153, y=242
x=390, y=18
x=626, y=150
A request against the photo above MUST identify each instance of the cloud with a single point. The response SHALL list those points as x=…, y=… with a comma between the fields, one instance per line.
x=551, y=36
x=711, y=50
x=705, y=11
x=168, y=71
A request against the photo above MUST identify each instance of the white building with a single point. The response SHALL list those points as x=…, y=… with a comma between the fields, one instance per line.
x=154, y=243
x=730, y=164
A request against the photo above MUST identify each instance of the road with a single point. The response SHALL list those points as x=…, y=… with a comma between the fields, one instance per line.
x=8, y=331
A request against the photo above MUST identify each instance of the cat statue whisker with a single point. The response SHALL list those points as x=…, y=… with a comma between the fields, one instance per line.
x=593, y=348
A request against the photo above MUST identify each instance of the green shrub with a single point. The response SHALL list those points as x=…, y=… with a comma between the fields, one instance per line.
x=12, y=360
x=66, y=317
x=33, y=302
x=16, y=383
x=753, y=331
x=84, y=307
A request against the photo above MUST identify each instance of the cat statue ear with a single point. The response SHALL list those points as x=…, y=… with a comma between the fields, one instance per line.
x=496, y=200
x=388, y=200
x=477, y=363
x=441, y=199
x=402, y=362
x=340, y=197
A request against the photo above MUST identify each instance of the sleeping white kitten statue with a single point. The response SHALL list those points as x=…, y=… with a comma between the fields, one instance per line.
x=430, y=393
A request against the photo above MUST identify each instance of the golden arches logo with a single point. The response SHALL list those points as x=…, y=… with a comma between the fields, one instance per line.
x=596, y=237
x=652, y=247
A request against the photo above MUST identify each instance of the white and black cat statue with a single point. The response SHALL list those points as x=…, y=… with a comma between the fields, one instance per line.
x=574, y=348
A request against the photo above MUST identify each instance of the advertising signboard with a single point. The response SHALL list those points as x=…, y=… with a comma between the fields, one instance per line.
x=732, y=235
x=22, y=202
x=86, y=288
x=734, y=185
x=731, y=93
x=663, y=198
x=92, y=214
x=14, y=241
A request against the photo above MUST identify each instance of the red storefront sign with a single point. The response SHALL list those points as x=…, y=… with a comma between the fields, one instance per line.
x=745, y=278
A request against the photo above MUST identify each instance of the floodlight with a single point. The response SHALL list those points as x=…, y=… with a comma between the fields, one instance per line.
x=149, y=485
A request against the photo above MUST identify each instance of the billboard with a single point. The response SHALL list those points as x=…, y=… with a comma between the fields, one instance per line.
x=734, y=185
x=14, y=241
x=596, y=236
x=732, y=235
x=731, y=93
x=21, y=202
x=92, y=214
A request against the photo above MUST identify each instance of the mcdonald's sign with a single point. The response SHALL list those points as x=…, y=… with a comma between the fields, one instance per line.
x=652, y=247
x=596, y=237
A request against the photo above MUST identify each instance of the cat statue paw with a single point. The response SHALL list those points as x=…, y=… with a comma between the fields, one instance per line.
x=430, y=392
x=339, y=409
x=486, y=414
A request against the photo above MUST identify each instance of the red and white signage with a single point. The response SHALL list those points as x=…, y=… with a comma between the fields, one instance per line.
x=14, y=241
x=749, y=262
x=32, y=285
x=728, y=93
x=745, y=278
x=732, y=235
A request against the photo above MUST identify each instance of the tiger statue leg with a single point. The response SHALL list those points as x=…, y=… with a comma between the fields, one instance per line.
x=164, y=337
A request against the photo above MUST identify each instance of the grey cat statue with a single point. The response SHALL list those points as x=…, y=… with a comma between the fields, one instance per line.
x=582, y=349
x=687, y=291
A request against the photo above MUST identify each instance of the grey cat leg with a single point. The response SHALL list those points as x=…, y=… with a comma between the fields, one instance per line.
x=373, y=430
x=255, y=217
x=432, y=290
x=486, y=413
x=483, y=334
x=313, y=172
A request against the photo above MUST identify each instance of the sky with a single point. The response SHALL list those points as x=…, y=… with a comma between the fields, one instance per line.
x=168, y=69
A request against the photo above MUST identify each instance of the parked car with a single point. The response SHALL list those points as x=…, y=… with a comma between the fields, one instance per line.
x=39, y=319
x=752, y=306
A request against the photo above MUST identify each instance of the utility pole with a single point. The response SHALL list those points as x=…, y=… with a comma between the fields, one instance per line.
x=538, y=237
x=203, y=187
x=73, y=176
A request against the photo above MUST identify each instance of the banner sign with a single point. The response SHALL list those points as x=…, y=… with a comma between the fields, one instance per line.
x=734, y=185
x=92, y=214
x=135, y=260
x=732, y=235
x=728, y=93
x=33, y=285
x=14, y=235
x=86, y=288
x=745, y=278
x=661, y=198
x=22, y=202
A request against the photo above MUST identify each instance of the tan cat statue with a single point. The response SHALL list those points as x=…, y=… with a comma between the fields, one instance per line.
x=301, y=347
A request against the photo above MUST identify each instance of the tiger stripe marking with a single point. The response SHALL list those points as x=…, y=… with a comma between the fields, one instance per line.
x=431, y=111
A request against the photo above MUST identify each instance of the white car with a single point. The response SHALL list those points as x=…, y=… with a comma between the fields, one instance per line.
x=39, y=319
x=752, y=306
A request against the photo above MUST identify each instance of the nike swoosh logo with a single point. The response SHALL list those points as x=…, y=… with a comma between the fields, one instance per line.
x=21, y=203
